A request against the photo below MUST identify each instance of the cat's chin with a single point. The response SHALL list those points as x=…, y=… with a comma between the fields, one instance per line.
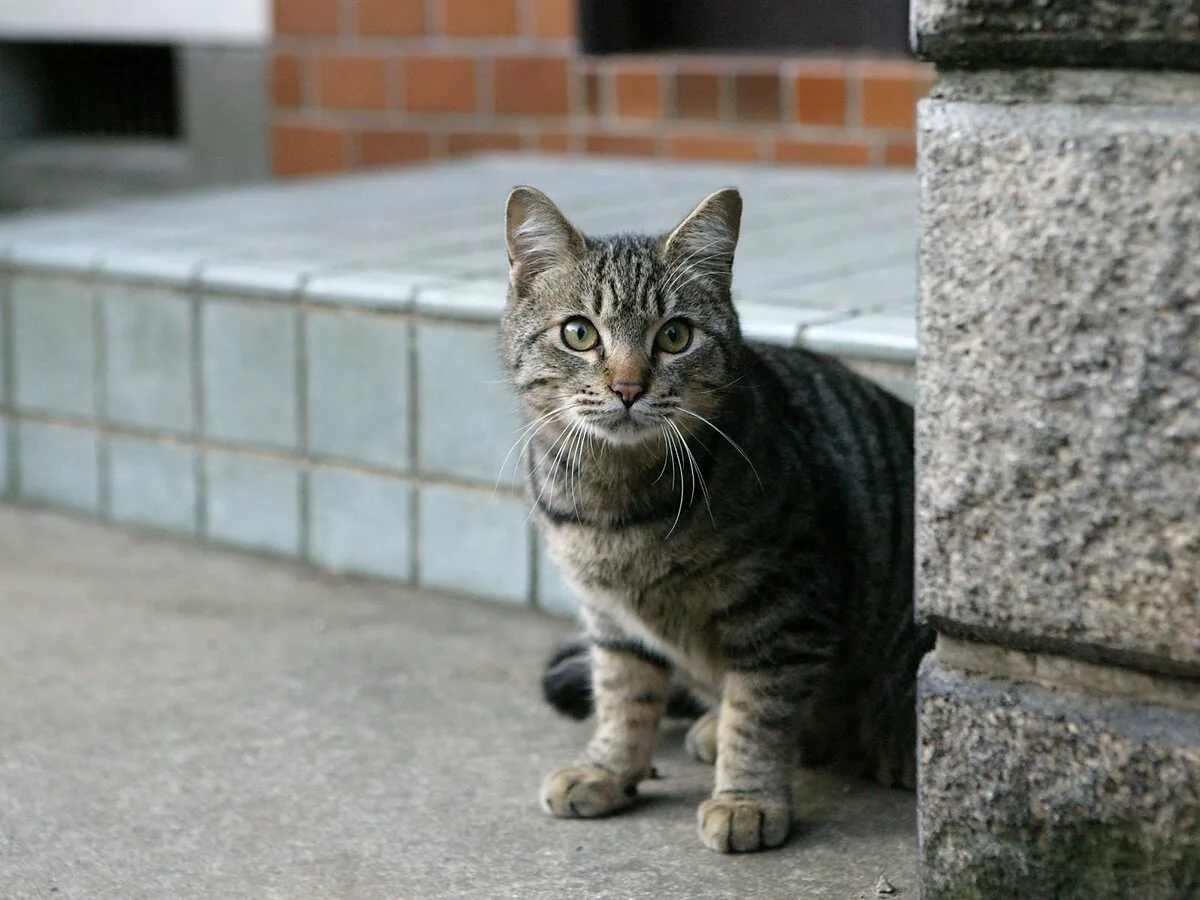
x=624, y=432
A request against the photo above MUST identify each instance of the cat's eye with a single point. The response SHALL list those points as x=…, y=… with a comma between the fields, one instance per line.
x=674, y=336
x=580, y=334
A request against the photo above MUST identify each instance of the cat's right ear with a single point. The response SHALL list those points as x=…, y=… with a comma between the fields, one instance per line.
x=538, y=234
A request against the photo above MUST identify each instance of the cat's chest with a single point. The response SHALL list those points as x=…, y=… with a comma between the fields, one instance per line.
x=648, y=584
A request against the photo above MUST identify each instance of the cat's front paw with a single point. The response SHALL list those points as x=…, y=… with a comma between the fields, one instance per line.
x=585, y=792
x=743, y=823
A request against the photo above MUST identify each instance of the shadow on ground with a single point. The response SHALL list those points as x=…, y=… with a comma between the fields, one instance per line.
x=182, y=723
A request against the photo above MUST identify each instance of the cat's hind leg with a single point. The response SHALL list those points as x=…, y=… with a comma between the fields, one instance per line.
x=701, y=739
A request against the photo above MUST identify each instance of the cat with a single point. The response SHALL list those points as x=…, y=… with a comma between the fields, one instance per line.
x=736, y=519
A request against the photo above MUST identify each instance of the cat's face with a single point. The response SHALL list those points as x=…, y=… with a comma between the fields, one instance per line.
x=623, y=339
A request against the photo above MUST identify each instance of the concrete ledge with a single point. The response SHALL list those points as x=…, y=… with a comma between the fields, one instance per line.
x=1029, y=792
x=1156, y=34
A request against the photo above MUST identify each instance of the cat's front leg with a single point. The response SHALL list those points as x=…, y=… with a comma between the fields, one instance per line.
x=751, y=807
x=630, y=688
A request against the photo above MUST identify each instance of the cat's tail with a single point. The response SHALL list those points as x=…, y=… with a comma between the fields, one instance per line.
x=567, y=684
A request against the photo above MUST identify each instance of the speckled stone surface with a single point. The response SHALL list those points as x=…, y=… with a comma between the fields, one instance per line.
x=1048, y=795
x=1059, y=386
x=1110, y=33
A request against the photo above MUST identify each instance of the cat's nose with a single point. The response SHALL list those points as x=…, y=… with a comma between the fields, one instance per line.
x=627, y=390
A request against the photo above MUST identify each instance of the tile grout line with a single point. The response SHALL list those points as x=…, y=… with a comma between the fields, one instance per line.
x=199, y=417
x=263, y=453
x=535, y=587
x=414, y=451
x=100, y=389
x=8, y=381
x=303, y=487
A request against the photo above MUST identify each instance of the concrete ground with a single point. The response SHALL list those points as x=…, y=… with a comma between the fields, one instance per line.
x=177, y=722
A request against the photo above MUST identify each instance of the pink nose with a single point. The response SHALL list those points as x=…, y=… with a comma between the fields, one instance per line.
x=628, y=391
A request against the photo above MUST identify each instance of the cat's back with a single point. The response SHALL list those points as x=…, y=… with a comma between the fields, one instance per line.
x=845, y=446
x=838, y=410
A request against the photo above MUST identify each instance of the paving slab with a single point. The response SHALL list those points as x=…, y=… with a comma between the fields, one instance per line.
x=181, y=723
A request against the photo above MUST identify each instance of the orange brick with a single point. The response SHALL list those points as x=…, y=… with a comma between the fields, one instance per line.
x=390, y=18
x=306, y=16
x=757, y=96
x=352, y=82
x=724, y=147
x=900, y=154
x=394, y=147
x=820, y=93
x=554, y=142
x=439, y=83
x=480, y=18
x=621, y=144
x=307, y=150
x=482, y=141
x=555, y=18
x=697, y=95
x=531, y=85
x=287, y=80
x=819, y=153
x=889, y=95
x=637, y=90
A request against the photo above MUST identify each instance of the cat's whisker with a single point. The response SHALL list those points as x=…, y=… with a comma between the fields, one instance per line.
x=539, y=423
x=731, y=441
x=662, y=428
x=679, y=460
x=575, y=467
x=556, y=471
x=556, y=442
x=723, y=387
x=696, y=473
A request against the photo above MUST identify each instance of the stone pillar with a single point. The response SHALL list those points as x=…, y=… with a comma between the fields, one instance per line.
x=1058, y=432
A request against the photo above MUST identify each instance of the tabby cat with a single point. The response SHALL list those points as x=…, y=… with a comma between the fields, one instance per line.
x=736, y=518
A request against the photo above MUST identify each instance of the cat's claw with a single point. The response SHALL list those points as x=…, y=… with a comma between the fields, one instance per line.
x=740, y=823
x=701, y=740
x=585, y=792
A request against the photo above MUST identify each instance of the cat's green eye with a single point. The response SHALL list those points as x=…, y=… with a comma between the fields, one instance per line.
x=580, y=334
x=674, y=337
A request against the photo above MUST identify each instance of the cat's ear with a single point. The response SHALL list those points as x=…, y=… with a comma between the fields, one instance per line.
x=538, y=234
x=704, y=242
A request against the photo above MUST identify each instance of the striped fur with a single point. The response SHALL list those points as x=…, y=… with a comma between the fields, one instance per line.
x=745, y=525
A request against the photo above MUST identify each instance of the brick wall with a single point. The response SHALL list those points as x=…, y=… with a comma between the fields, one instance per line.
x=366, y=83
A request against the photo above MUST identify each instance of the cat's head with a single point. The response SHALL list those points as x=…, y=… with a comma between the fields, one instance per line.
x=624, y=335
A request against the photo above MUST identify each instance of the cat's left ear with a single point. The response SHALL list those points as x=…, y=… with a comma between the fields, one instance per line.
x=706, y=239
x=538, y=234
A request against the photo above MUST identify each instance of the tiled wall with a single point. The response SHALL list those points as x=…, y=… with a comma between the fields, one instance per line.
x=351, y=432
x=366, y=83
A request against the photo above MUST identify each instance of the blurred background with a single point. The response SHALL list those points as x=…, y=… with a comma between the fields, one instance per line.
x=133, y=96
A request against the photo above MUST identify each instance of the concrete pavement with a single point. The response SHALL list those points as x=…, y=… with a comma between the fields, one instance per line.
x=178, y=722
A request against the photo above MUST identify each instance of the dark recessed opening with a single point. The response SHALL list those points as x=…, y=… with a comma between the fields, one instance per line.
x=627, y=26
x=101, y=90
